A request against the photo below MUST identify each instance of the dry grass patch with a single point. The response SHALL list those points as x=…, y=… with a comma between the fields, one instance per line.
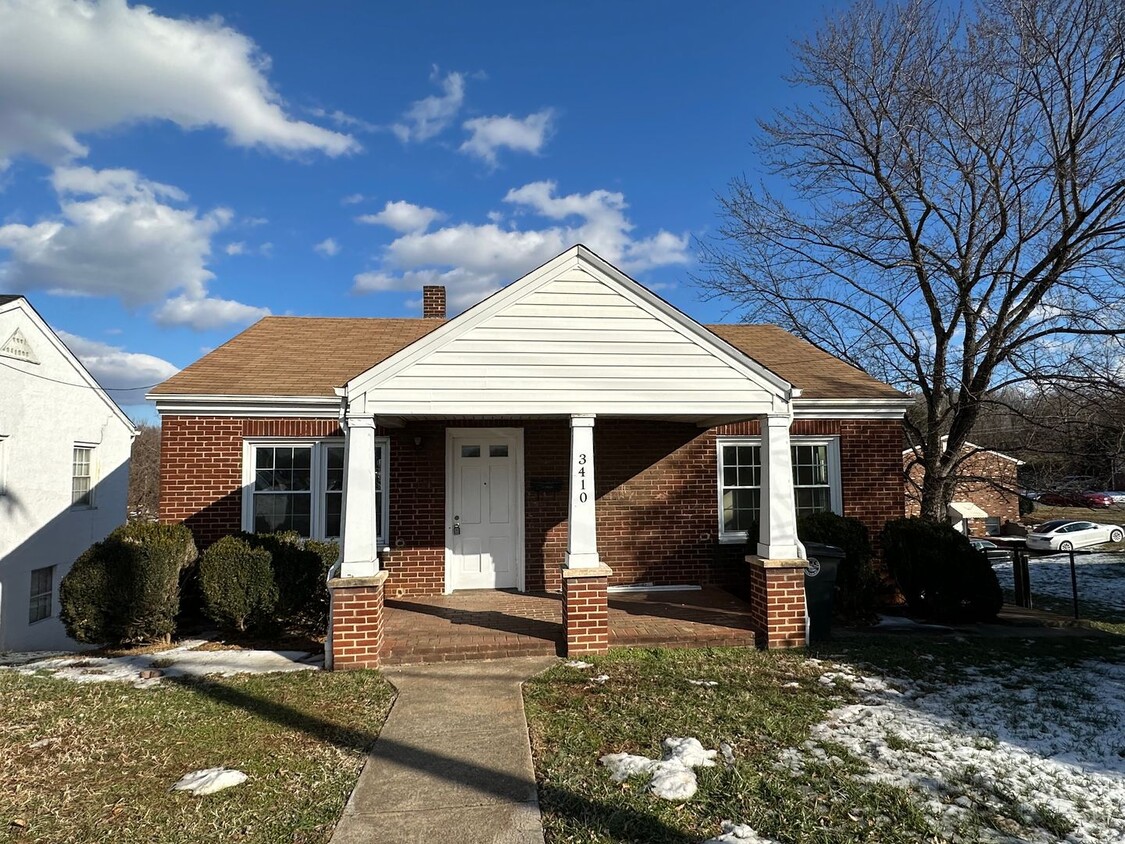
x=94, y=762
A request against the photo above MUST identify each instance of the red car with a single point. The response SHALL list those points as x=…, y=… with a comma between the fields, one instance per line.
x=1097, y=500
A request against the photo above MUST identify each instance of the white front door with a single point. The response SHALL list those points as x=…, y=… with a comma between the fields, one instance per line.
x=485, y=519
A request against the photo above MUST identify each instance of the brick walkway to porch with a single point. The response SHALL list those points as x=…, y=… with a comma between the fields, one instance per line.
x=492, y=625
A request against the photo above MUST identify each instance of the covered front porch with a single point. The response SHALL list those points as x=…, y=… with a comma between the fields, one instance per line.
x=489, y=624
x=572, y=349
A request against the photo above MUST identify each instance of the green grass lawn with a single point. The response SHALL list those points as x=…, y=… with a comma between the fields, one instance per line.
x=94, y=762
x=647, y=698
x=765, y=703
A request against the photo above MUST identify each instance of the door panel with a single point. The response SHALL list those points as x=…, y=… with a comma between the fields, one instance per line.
x=484, y=530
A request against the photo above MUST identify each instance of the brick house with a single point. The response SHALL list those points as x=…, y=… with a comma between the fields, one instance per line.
x=984, y=498
x=571, y=433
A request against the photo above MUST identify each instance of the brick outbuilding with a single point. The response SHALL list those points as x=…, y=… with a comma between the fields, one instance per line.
x=987, y=481
x=573, y=433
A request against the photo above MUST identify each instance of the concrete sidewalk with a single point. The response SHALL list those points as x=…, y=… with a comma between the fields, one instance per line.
x=453, y=762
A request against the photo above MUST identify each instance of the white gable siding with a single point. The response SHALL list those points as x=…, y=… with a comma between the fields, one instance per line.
x=572, y=344
x=46, y=409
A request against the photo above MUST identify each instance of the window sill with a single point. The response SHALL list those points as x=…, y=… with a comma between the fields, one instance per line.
x=80, y=507
x=732, y=539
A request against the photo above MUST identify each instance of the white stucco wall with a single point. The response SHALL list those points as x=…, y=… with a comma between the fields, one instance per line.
x=41, y=421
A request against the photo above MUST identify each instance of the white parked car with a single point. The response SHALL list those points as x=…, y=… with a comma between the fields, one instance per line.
x=1065, y=534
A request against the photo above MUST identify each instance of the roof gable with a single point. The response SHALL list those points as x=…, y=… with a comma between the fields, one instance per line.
x=575, y=335
x=52, y=341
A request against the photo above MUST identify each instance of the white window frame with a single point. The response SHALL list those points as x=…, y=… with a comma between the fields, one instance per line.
x=91, y=502
x=316, y=488
x=3, y=465
x=835, y=484
x=36, y=596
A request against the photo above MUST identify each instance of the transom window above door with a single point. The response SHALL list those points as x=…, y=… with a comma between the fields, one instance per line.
x=299, y=486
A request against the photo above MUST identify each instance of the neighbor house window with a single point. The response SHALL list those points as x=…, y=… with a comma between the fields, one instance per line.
x=816, y=481
x=42, y=592
x=81, y=477
x=299, y=486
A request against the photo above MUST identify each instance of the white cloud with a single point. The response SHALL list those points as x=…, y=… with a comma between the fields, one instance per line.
x=130, y=373
x=403, y=217
x=490, y=134
x=474, y=260
x=236, y=248
x=204, y=312
x=253, y=222
x=117, y=236
x=430, y=116
x=353, y=199
x=328, y=247
x=71, y=67
x=114, y=237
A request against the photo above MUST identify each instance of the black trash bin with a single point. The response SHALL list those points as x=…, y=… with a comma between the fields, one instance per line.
x=820, y=587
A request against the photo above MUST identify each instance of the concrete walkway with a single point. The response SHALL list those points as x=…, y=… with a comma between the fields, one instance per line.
x=453, y=762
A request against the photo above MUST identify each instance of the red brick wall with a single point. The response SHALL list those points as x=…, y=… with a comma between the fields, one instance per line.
x=201, y=467
x=989, y=481
x=657, y=500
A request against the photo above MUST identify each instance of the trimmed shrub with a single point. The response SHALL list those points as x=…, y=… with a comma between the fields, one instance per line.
x=300, y=567
x=857, y=584
x=939, y=573
x=237, y=583
x=126, y=588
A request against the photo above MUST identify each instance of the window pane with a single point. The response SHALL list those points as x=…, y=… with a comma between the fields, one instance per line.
x=42, y=589
x=470, y=451
x=333, y=502
x=740, y=508
x=282, y=511
x=80, y=486
x=813, y=500
x=498, y=450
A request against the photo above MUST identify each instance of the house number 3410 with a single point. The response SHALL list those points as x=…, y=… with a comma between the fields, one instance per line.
x=583, y=496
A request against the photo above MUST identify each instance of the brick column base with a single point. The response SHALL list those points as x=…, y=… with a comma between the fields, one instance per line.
x=585, y=610
x=777, y=601
x=355, y=622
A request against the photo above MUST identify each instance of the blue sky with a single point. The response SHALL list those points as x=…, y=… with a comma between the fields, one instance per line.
x=168, y=175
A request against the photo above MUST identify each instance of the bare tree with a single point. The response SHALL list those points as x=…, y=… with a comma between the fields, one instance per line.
x=144, y=473
x=954, y=206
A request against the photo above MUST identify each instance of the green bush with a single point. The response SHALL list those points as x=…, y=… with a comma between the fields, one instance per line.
x=126, y=588
x=237, y=582
x=939, y=573
x=300, y=567
x=857, y=584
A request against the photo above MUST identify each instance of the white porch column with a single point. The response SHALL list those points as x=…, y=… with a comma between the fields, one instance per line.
x=359, y=552
x=582, y=533
x=777, y=539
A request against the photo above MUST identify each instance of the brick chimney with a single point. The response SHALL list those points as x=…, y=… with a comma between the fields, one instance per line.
x=433, y=301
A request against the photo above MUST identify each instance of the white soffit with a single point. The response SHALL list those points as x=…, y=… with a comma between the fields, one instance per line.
x=575, y=335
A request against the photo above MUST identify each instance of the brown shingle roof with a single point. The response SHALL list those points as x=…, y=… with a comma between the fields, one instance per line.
x=296, y=356
x=818, y=374
x=309, y=356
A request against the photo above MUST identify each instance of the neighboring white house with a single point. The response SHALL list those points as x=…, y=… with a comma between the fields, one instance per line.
x=64, y=473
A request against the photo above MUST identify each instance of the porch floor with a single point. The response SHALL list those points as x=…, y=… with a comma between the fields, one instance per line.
x=490, y=625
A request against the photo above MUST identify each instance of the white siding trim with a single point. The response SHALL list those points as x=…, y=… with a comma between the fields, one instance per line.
x=609, y=307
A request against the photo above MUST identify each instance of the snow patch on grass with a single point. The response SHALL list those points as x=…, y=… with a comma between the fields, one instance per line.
x=147, y=670
x=739, y=833
x=209, y=780
x=1101, y=578
x=673, y=777
x=1030, y=754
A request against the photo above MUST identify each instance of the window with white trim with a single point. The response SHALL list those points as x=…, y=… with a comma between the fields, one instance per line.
x=299, y=485
x=82, y=477
x=42, y=594
x=816, y=480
